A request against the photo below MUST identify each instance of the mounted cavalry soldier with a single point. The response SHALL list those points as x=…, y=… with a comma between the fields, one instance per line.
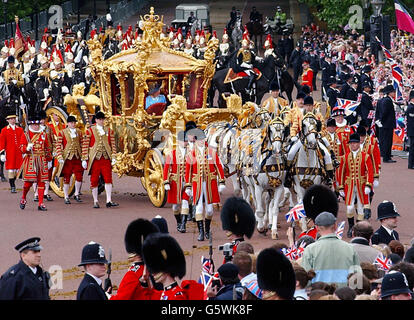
x=204, y=180
x=224, y=51
x=174, y=176
x=14, y=81
x=98, y=157
x=245, y=60
x=60, y=82
x=355, y=179
x=69, y=153
x=37, y=160
x=10, y=153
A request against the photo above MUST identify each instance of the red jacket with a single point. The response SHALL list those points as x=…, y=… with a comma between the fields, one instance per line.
x=204, y=166
x=357, y=173
x=174, y=171
x=10, y=143
x=130, y=287
x=307, y=78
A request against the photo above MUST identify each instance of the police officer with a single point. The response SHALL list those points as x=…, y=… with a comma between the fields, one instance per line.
x=295, y=61
x=388, y=216
x=410, y=129
x=26, y=280
x=352, y=94
x=366, y=102
x=93, y=261
x=328, y=72
x=386, y=123
x=332, y=94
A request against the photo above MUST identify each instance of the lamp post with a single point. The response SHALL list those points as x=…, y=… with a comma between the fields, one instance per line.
x=376, y=27
x=5, y=17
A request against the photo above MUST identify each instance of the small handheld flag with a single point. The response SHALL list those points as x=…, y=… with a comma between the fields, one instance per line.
x=296, y=213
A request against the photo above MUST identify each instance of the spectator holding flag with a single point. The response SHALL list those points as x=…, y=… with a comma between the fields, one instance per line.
x=410, y=129
x=332, y=259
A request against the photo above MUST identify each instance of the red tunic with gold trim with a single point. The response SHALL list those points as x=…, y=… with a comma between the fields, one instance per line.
x=355, y=173
x=344, y=132
x=35, y=161
x=130, y=287
x=174, y=174
x=307, y=78
x=206, y=167
x=10, y=142
x=371, y=147
x=173, y=292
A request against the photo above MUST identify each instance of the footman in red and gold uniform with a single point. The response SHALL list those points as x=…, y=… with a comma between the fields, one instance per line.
x=307, y=75
x=37, y=160
x=69, y=152
x=343, y=130
x=98, y=157
x=204, y=174
x=131, y=286
x=355, y=180
x=174, y=174
x=10, y=153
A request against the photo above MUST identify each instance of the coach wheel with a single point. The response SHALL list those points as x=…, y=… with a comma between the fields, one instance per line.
x=142, y=179
x=56, y=182
x=153, y=170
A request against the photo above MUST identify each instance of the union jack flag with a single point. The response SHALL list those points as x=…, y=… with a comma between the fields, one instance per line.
x=348, y=105
x=387, y=54
x=400, y=132
x=296, y=213
x=299, y=252
x=397, y=76
x=290, y=253
x=382, y=262
x=206, y=265
x=371, y=114
x=340, y=230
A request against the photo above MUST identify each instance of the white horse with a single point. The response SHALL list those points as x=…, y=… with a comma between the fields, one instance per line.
x=263, y=167
x=309, y=158
x=237, y=34
x=222, y=136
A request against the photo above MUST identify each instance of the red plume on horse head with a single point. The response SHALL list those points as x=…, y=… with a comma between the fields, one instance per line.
x=268, y=43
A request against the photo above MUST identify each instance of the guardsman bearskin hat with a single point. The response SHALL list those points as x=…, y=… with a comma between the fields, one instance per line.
x=162, y=253
x=275, y=273
x=136, y=233
x=319, y=198
x=238, y=217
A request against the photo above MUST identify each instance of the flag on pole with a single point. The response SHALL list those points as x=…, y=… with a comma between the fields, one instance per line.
x=19, y=42
x=397, y=76
x=296, y=213
x=387, y=54
x=404, y=20
x=206, y=265
x=348, y=105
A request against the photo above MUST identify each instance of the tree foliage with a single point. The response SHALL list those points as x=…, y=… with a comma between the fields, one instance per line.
x=335, y=12
x=24, y=8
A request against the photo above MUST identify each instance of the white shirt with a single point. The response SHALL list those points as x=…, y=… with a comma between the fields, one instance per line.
x=72, y=133
x=100, y=130
x=34, y=269
x=182, y=150
x=99, y=281
x=354, y=154
x=13, y=126
x=389, y=231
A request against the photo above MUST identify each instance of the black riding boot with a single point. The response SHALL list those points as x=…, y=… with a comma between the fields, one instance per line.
x=207, y=228
x=200, y=230
x=182, y=228
x=12, y=185
x=178, y=218
x=351, y=225
x=3, y=178
x=289, y=177
x=249, y=85
x=367, y=213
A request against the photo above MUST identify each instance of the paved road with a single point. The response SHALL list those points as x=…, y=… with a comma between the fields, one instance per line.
x=65, y=229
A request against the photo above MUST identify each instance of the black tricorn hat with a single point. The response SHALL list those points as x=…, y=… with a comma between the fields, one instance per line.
x=100, y=115
x=162, y=253
x=238, y=217
x=275, y=273
x=190, y=125
x=71, y=119
x=361, y=131
x=354, y=138
x=319, y=198
x=136, y=233
x=274, y=86
x=331, y=122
